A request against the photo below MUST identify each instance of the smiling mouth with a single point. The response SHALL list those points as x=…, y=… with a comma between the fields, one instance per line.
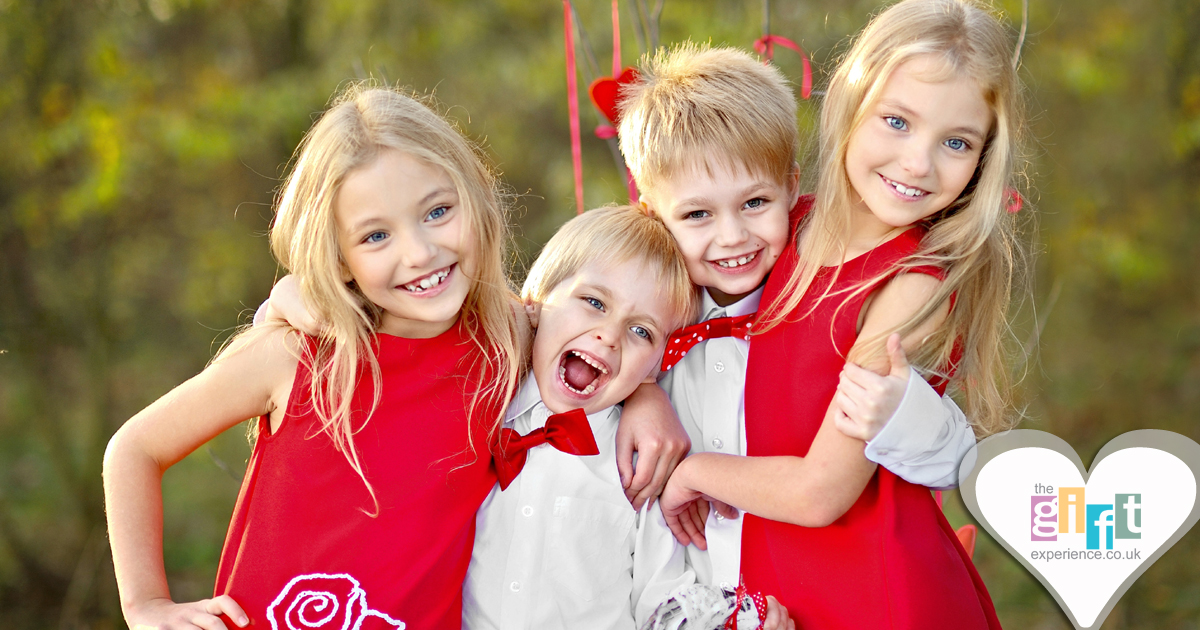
x=580, y=373
x=429, y=281
x=907, y=191
x=737, y=261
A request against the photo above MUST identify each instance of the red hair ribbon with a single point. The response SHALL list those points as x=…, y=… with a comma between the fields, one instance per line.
x=1015, y=202
x=765, y=46
x=573, y=106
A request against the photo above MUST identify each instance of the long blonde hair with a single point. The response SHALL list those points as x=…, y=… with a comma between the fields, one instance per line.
x=974, y=238
x=361, y=123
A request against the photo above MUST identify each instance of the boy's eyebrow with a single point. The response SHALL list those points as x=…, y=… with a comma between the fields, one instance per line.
x=596, y=288
x=701, y=200
x=698, y=200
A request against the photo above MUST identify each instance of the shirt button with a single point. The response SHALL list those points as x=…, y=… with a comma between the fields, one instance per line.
x=527, y=510
x=720, y=517
x=717, y=443
x=719, y=367
x=515, y=586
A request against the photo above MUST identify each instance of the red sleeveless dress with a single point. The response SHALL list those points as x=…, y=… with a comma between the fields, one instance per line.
x=303, y=552
x=892, y=561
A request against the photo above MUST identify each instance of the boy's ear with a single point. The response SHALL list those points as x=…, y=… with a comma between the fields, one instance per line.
x=533, y=310
x=794, y=184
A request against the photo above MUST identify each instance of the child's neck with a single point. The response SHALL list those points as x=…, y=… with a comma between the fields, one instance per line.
x=866, y=233
x=726, y=299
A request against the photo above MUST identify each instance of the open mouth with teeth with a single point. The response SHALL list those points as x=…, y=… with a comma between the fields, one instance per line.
x=738, y=261
x=914, y=193
x=430, y=281
x=580, y=373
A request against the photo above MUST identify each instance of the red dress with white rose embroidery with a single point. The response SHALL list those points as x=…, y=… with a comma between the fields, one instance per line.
x=892, y=561
x=304, y=551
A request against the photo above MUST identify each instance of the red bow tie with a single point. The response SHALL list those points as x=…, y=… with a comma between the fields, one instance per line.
x=568, y=432
x=685, y=339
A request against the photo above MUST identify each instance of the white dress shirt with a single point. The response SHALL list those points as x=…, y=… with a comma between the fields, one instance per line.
x=556, y=549
x=922, y=443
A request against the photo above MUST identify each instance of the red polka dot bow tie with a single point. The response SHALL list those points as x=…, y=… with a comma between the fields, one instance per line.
x=685, y=339
x=568, y=432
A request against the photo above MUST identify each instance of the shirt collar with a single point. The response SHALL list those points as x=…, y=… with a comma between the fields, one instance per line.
x=526, y=398
x=744, y=306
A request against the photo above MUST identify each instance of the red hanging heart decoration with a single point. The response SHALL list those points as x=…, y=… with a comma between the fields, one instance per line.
x=966, y=536
x=606, y=90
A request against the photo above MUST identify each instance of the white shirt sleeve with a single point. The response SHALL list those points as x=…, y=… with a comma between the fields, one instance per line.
x=925, y=439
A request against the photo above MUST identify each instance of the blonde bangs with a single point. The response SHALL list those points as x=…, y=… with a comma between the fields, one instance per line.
x=716, y=107
x=614, y=235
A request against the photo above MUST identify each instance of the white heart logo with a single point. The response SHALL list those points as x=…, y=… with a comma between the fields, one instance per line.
x=1086, y=535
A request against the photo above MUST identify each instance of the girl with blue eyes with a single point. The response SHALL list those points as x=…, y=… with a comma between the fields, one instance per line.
x=908, y=244
x=370, y=455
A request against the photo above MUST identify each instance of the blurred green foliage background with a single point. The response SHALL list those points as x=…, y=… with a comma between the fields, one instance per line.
x=142, y=141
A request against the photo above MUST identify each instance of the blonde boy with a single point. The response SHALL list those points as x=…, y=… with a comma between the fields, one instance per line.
x=555, y=544
x=710, y=136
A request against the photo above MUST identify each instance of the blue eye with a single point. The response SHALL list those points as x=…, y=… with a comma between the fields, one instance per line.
x=957, y=144
x=757, y=202
x=375, y=237
x=437, y=213
x=696, y=215
x=641, y=332
x=895, y=122
x=596, y=304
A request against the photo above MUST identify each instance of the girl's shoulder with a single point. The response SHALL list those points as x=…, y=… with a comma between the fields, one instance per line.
x=270, y=342
x=266, y=355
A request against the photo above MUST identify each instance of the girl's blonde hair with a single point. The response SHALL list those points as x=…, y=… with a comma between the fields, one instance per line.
x=362, y=123
x=974, y=238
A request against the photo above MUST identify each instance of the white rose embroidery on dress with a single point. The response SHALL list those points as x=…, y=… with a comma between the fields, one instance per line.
x=319, y=601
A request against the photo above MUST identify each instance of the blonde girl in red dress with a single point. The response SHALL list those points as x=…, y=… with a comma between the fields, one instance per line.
x=907, y=243
x=358, y=505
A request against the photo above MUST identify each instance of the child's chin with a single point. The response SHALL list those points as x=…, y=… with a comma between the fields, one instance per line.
x=562, y=400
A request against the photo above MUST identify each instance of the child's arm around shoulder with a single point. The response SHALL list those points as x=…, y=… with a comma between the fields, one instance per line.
x=252, y=378
x=649, y=426
x=815, y=490
x=910, y=429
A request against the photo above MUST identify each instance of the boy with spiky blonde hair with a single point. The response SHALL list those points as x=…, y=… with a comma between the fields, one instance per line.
x=710, y=137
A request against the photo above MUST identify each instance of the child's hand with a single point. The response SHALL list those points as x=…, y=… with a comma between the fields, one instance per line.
x=777, y=617
x=286, y=304
x=164, y=614
x=650, y=427
x=683, y=516
x=865, y=401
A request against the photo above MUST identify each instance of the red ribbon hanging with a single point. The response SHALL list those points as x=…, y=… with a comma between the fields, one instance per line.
x=616, y=17
x=573, y=106
x=765, y=46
